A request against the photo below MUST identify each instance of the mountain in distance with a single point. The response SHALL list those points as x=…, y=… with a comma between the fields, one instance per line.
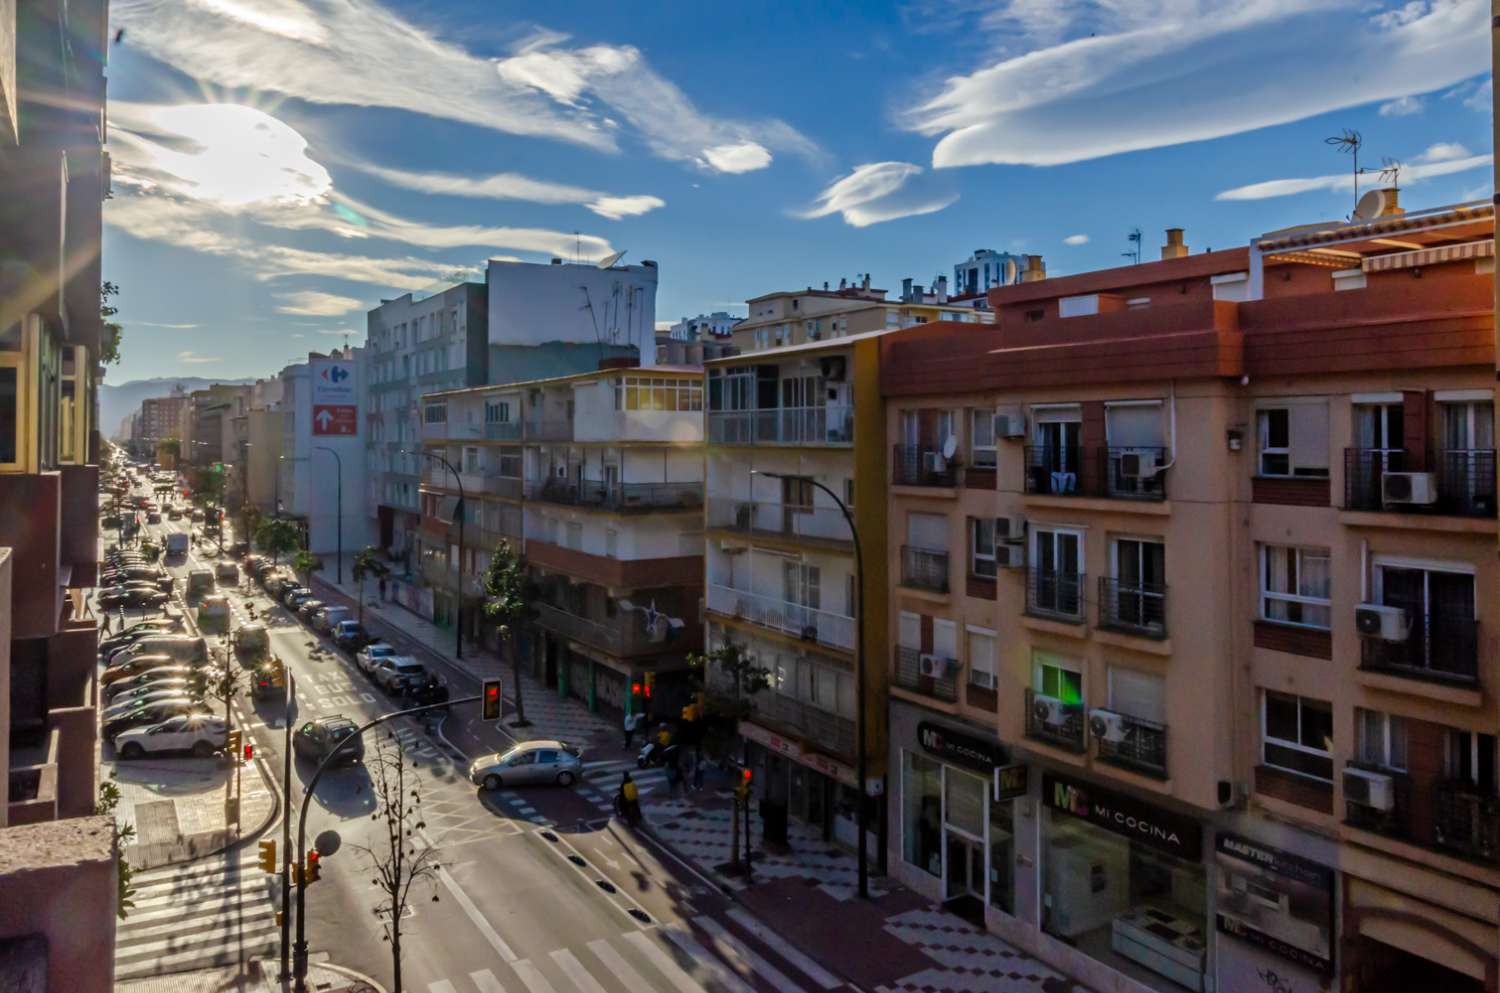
x=119, y=401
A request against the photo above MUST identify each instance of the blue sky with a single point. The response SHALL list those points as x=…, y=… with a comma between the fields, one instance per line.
x=282, y=165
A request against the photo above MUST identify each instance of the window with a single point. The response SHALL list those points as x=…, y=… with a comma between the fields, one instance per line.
x=642, y=393
x=982, y=657
x=1055, y=439
x=1297, y=735
x=982, y=547
x=1470, y=758
x=471, y=459
x=1057, y=572
x=1138, y=694
x=928, y=532
x=910, y=631
x=10, y=413
x=1293, y=439
x=1056, y=677
x=982, y=435
x=435, y=413
x=796, y=493
x=1137, y=597
x=497, y=413
x=945, y=638
x=1380, y=739
x=1295, y=585
x=510, y=466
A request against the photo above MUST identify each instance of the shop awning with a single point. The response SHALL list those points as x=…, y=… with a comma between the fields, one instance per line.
x=1430, y=256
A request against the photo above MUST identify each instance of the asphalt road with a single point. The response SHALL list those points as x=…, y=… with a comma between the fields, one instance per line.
x=544, y=895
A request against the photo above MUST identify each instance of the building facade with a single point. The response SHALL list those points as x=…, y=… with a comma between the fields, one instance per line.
x=719, y=324
x=799, y=317
x=321, y=456
x=986, y=269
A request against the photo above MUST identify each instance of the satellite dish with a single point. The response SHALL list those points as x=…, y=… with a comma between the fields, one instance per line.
x=950, y=445
x=610, y=261
x=1370, y=206
x=1010, y=271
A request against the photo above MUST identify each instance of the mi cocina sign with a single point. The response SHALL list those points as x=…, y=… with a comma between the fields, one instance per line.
x=1161, y=829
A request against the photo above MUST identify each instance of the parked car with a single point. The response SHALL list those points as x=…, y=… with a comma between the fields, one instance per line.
x=393, y=674
x=126, y=571
x=134, y=665
x=150, y=713
x=129, y=701
x=307, y=608
x=318, y=738
x=185, y=648
x=296, y=597
x=325, y=620
x=134, y=594
x=199, y=582
x=373, y=654
x=239, y=549
x=529, y=763
x=166, y=675
x=254, y=564
x=227, y=572
x=201, y=734
x=351, y=636
x=276, y=583
x=139, y=630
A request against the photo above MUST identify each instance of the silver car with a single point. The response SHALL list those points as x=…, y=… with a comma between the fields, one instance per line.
x=529, y=763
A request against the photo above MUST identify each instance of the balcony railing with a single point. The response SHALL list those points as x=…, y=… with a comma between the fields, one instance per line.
x=1468, y=821
x=549, y=429
x=503, y=486
x=1055, y=723
x=619, y=496
x=913, y=465
x=909, y=676
x=1073, y=470
x=788, y=425
x=1465, y=480
x=1136, y=608
x=924, y=569
x=814, y=725
x=1141, y=745
x=502, y=430
x=810, y=624
x=771, y=518
x=624, y=635
x=1443, y=645
x=1056, y=595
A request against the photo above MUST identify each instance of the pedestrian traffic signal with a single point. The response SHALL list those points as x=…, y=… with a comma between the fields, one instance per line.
x=268, y=855
x=490, y=699
x=312, y=870
x=650, y=684
x=635, y=689
x=249, y=752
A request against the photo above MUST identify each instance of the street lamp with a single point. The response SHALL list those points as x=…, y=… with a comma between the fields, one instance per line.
x=340, y=497
x=862, y=765
x=458, y=626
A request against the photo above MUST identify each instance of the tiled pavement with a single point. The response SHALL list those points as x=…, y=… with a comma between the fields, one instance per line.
x=969, y=960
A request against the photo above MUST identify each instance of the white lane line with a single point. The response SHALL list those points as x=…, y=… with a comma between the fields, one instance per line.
x=736, y=952
x=485, y=982
x=574, y=970
x=804, y=963
x=496, y=942
x=532, y=977
x=619, y=968
x=442, y=986
x=733, y=978
x=664, y=965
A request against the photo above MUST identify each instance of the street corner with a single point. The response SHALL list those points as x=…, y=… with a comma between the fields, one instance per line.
x=182, y=809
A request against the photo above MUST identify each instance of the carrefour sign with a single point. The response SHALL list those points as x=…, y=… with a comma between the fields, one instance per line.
x=333, y=381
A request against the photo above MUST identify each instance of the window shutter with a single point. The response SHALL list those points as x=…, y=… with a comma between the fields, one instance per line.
x=1137, y=694
x=1135, y=426
x=1309, y=435
x=944, y=638
x=911, y=631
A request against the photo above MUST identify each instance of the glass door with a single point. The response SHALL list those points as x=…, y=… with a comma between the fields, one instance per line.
x=1058, y=579
x=965, y=868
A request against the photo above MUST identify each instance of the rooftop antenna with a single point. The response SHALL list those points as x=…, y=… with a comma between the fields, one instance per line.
x=1350, y=143
x=577, y=247
x=1134, y=237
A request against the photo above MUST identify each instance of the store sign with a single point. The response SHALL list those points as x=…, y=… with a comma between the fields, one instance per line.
x=1161, y=829
x=771, y=742
x=959, y=748
x=1010, y=782
x=1279, y=901
x=335, y=404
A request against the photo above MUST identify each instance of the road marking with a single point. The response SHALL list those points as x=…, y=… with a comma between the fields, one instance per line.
x=442, y=986
x=485, y=982
x=620, y=968
x=804, y=963
x=569, y=964
x=664, y=964
x=480, y=922
x=532, y=977
x=737, y=952
x=682, y=937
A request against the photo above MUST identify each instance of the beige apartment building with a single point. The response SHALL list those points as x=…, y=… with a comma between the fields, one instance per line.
x=1192, y=604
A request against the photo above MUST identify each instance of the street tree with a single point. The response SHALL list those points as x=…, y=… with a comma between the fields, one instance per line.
x=109, y=337
x=208, y=487
x=109, y=800
x=508, y=596
x=303, y=564
x=403, y=858
x=728, y=679
x=366, y=563
x=278, y=536
x=220, y=679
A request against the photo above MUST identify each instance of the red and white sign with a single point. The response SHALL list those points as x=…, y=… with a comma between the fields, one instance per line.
x=335, y=419
x=770, y=741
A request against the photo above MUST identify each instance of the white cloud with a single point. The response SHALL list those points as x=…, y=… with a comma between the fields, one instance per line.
x=881, y=191
x=1483, y=97
x=742, y=156
x=1153, y=73
x=614, y=208
x=1443, y=165
x=1076, y=239
x=316, y=303
x=193, y=358
x=158, y=324
x=513, y=186
x=1444, y=151
x=1401, y=107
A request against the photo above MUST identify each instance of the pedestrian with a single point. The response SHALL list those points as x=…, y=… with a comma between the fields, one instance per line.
x=106, y=623
x=630, y=800
x=382, y=589
x=632, y=721
x=674, y=769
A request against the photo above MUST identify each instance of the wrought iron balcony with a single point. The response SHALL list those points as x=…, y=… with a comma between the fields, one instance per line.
x=1130, y=742
x=786, y=425
x=1055, y=595
x=1054, y=722
x=924, y=569
x=1135, y=608
x=1468, y=821
x=915, y=465
x=1442, y=645
x=619, y=496
x=625, y=634
x=826, y=730
x=909, y=676
x=822, y=626
x=1135, y=473
x=1465, y=480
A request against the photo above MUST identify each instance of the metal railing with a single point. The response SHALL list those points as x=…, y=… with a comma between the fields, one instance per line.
x=1468, y=821
x=1443, y=644
x=502, y=430
x=619, y=496
x=772, y=518
x=790, y=425
x=1072, y=470
x=809, y=623
x=624, y=635
x=549, y=429
x=1138, y=608
x=1396, y=822
x=826, y=730
x=913, y=465
x=1057, y=595
x=1060, y=724
x=909, y=676
x=1150, y=481
x=1140, y=745
x=924, y=569
x=1465, y=480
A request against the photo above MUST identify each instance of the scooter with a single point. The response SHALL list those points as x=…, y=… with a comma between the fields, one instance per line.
x=650, y=755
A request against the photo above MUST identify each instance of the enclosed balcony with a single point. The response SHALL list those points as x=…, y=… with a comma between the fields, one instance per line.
x=817, y=525
x=618, y=496
x=502, y=430
x=915, y=465
x=1455, y=482
x=782, y=425
x=924, y=568
x=824, y=627
x=1468, y=821
x=1055, y=595
x=940, y=683
x=1132, y=607
x=1054, y=722
x=1130, y=742
x=1442, y=644
x=1138, y=473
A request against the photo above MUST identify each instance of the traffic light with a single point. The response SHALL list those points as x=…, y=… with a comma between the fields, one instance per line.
x=650, y=684
x=312, y=870
x=268, y=856
x=232, y=743
x=249, y=751
x=742, y=791
x=490, y=700
x=635, y=689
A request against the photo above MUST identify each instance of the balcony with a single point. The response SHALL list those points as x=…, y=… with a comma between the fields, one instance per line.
x=913, y=465
x=1053, y=722
x=618, y=496
x=808, y=623
x=1468, y=821
x=909, y=676
x=1134, y=608
x=1393, y=823
x=771, y=519
x=1133, y=743
x=503, y=486
x=817, y=727
x=1442, y=646
x=1055, y=595
x=924, y=569
x=502, y=430
x=434, y=430
x=549, y=429
x=1096, y=472
x=782, y=425
x=1465, y=480
x=624, y=635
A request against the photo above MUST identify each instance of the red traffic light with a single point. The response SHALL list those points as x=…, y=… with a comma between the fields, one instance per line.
x=745, y=775
x=490, y=700
x=249, y=752
x=635, y=689
x=648, y=691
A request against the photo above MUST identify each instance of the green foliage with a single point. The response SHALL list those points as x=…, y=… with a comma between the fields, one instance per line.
x=277, y=536
x=220, y=679
x=367, y=562
x=208, y=487
x=508, y=597
x=304, y=563
x=170, y=446
x=110, y=334
x=109, y=799
x=744, y=676
x=150, y=551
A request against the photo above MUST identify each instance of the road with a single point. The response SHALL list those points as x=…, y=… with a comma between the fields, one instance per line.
x=539, y=890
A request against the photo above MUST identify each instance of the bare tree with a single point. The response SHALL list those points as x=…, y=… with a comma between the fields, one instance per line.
x=404, y=858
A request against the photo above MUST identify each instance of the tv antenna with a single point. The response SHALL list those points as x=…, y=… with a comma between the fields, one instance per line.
x=1349, y=142
x=577, y=247
x=1134, y=237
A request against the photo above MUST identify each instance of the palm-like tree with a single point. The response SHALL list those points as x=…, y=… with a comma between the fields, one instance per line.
x=366, y=563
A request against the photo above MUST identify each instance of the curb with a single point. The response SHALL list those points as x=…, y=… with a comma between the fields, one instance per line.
x=352, y=974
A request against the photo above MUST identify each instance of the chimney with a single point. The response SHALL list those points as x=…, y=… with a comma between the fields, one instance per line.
x=1035, y=270
x=1174, y=248
x=1390, y=205
x=942, y=289
x=906, y=290
x=825, y=286
x=843, y=282
x=866, y=284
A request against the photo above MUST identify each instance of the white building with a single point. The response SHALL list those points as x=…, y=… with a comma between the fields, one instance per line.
x=987, y=268
x=719, y=324
x=531, y=304
x=323, y=448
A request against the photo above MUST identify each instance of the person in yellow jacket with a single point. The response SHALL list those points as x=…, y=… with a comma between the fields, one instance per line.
x=630, y=800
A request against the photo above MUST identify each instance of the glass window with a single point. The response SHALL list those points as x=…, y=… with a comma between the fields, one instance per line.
x=922, y=812
x=436, y=413
x=982, y=657
x=1056, y=677
x=982, y=433
x=1297, y=735
x=966, y=796
x=1293, y=439
x=982, y=547
x=1295, y=585
x=1381, y=738
x=10, y=411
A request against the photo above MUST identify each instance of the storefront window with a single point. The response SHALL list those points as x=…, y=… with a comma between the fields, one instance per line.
x=922, y=813
x=1002, y=820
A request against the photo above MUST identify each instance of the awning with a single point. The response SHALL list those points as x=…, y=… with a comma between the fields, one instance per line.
x=1430, y=256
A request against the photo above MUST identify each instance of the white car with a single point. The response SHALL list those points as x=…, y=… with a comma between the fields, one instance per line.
x=201, y=734
x=371, y=655
x=392, y=673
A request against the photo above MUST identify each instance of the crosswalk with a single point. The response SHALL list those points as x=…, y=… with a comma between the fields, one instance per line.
x=671, y=959
x=215, y=911
x=601, y=781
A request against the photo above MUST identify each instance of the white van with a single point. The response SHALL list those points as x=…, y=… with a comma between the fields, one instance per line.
x=177, y=543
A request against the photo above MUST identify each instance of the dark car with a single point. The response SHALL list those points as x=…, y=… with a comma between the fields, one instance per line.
x=139, y=630
x=150, y=713
x=124, y=573
x=133, y=595
x=166, y=675
x=134, y=665
x=308, y=607
x=296, y=597
x=185, y=648
x=351, y=636
x=318, y=738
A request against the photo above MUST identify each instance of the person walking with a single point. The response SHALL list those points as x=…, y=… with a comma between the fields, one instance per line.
x=629, y=800
x=672, y=760
x=698, y=770
x=105, y=627
x=632, y=721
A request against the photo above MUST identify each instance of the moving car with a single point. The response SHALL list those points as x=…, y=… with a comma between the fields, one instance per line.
x=153, y=517
x=150, y=713
x=164, y=676
x=269, y=679
x=201, y=734
x=227, y=572
x=318, y=738
x=529, y=763
x=325, y=620
x=251, y=641
x=373, y=654
x=199, y=582
x=213, y=612
x=351, y=636
x=197, y=514
x=134, y=594
x=392, y=674
x=174, y=514
x=177, y=543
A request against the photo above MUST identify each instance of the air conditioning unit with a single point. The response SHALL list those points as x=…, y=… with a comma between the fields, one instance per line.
x=1010, y=556
x=1408, y=487
x=1106, y=725
x=1138, y=465
x=1010, y=527
x=1375, y=790
x=1010, y=423
x=934, y=462
x=1376, y=620
x=1048, y=710
x=936, y=666
x=984, y=680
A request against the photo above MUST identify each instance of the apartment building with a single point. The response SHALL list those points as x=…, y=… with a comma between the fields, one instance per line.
x=1190, y=564
x=321, y=449
x=161, y=417
x=792, y=432
x=597, y=478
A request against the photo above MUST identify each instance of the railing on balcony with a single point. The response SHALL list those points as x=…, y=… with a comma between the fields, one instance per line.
x=549, y=429
x=1055, y=595
x=619, y=496
x=819, y=727
x=772, y=518
x=624, y=635
x=1054, y=722
x=1132, y=743
x=914, y=465
x=924, y=568
x=1134, y=473
x=1468, y=821
x=502, y=430
x=1465, y=480
x=790, y=425
x=1443, y=644
x=1136, y=608
x=811, y=624
x=504, y=486
x=909, y=676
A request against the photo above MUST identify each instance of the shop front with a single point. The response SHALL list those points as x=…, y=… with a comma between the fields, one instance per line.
x=1273, y=911
x=810, y=788
x=1394, y=941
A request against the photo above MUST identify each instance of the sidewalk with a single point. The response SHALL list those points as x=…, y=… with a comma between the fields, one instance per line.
x=180, y=807
x=257, y=977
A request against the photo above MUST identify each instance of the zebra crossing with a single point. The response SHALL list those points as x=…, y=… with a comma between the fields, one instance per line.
x=601, y=780
x=215, y=911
